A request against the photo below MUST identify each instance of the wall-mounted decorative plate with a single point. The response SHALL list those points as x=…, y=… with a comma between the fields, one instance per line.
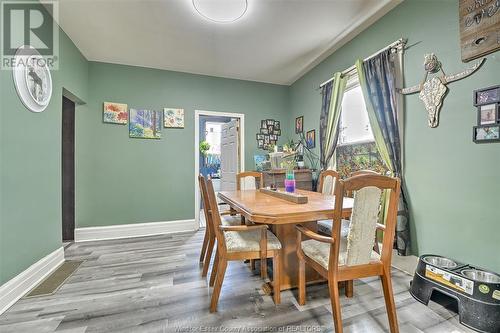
x=32, y=79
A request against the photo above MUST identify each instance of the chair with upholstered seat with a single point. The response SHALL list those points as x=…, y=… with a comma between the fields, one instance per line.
x=339, y=259
x=240, y=242
x=209, y=238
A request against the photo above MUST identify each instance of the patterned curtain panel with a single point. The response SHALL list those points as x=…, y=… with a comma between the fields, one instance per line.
x=378, y=77
x=332, y=94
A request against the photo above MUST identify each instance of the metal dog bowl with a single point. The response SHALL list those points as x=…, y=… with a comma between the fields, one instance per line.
x=440, y=262
x=481, y=276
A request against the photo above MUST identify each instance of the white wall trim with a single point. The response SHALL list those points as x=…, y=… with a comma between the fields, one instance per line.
x=12, y=290
x=197, y=114
x=134, y=230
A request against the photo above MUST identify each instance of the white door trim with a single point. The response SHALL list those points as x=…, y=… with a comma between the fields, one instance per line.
x=197, y=114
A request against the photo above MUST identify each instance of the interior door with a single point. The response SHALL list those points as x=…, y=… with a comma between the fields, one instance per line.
x=229, y=155
x=68, y=169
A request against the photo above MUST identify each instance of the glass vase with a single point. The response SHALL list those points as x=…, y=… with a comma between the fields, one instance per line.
x=290, y=181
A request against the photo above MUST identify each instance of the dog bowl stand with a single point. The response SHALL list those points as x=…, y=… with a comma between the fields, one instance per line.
x=478, y=301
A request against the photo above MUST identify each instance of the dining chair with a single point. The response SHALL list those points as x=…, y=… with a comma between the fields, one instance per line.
x=240, y=242
x=209, y=238
x=323, y=176
x=325, y=226
x=338, y=259
x=247, y=180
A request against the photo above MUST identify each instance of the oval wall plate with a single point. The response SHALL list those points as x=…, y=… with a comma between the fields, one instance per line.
x=32, y=79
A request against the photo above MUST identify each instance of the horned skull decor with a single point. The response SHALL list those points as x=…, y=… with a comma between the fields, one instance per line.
x=433, y=90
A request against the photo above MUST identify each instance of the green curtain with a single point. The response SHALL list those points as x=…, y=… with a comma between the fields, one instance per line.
x=333, y=93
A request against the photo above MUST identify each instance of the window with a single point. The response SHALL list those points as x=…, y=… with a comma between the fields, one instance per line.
x=357, y=149
x=354, y=122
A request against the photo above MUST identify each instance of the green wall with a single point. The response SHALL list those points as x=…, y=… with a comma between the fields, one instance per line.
x=30, y=168
x=122, y=180
x=452, y=182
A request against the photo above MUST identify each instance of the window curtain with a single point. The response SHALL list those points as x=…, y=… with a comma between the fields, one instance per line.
x=379, y=77
x=332, y=94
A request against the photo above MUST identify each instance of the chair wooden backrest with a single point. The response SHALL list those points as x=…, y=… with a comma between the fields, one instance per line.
x=209, y=193
x=323, y=177
x=244, y=183
x=206, y=204
x=367, y=189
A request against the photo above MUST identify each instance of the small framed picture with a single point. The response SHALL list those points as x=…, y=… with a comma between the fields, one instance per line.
x=264, y=131
x=488, y=114
x=273, y=137
x=270, y=128
x=488, y=95
x=266, y=140
x=484, y=134
x=260, y=144
x=270, y=122
x=277, y=131
x=263, y=124
x=277, y=125
x=299, y=125
x=260, y=136
x=311, y=139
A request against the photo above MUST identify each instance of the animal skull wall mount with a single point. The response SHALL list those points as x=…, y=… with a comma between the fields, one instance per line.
x=433, y=90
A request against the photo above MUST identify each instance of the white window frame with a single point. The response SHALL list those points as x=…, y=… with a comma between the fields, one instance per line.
x=352, y=82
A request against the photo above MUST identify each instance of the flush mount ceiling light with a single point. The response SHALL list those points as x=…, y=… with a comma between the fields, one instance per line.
x=221, y=11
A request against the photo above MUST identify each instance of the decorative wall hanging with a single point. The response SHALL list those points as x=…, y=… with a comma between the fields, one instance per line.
x=115, y=113
x=269, y=133
x=487, y=101
x=32, y=79
x=311, y=139
x=173, y=118
x=299, y=125
x=479, y=28
x=433, y=90
x=145, y=124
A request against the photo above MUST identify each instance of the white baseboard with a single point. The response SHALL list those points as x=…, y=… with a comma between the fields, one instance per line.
x=18, y=286
x=134, y=230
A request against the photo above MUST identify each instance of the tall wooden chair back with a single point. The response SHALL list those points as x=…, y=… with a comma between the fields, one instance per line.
x=324, y=184
x=248, y=180
x=216, y=219
x=367, y=189
x=206, y=204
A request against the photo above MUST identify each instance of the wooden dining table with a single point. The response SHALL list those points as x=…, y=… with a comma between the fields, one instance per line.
x=282, y=216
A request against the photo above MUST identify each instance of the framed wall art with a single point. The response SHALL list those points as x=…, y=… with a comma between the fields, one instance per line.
x=173, y=118
x=268, y=134
x=487, y=102
x=145, y=124
x=115, y=113
x=485, y=134
x=299, y=125
x=311, y=139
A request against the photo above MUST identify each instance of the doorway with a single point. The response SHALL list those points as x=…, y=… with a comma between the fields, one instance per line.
x=221, y=137
x=68, y=169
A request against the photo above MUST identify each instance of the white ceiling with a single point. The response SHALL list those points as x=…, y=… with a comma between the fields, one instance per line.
x=277, y=41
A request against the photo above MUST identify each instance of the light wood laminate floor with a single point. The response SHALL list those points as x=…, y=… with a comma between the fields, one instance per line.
x=153, y=284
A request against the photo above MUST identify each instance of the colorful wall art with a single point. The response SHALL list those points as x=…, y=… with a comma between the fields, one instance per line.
x=115, y=113
x=145, y=124
x=173, y=118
